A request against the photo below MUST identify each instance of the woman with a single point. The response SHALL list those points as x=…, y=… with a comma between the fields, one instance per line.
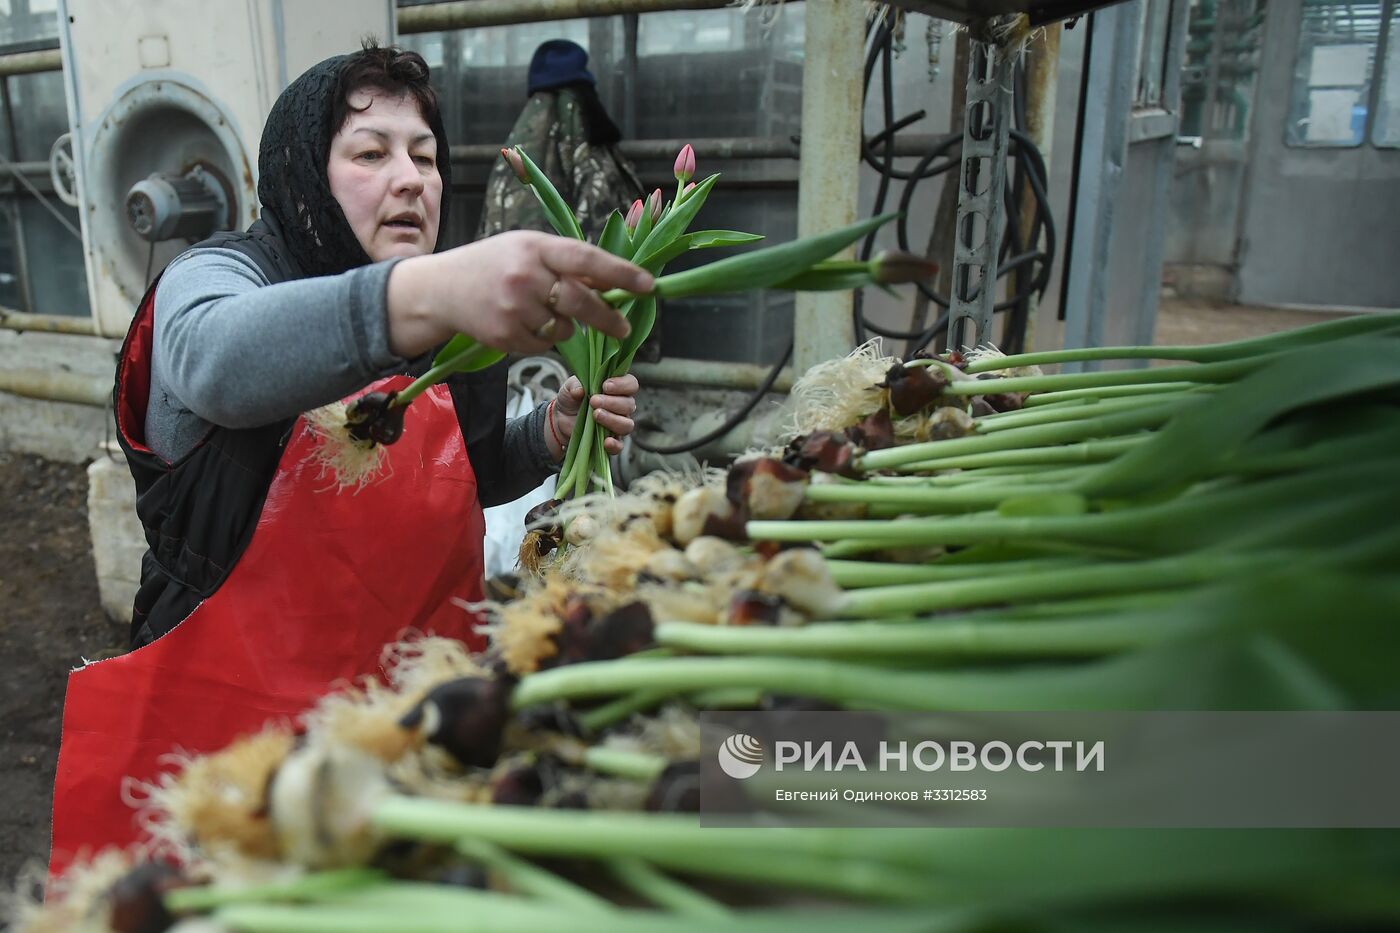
x=261, y=587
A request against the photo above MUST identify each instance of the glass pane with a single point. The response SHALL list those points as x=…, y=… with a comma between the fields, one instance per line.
x=1222, y=58
x=10, y=296
x=752, y=327
x=725, y=72
x=1387, y=128
x=720, y=73
x=480, y=74
x=57, y=277
x=1154, y=27
x=23, y=21
x=5, y=145
x=40, y=113
x=1332, y=78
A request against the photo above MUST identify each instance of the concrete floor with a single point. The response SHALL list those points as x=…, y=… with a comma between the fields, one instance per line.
x=1186, y=322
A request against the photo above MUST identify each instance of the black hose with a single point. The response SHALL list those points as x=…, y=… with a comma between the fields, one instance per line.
x=733, y=421
x=1029, y=172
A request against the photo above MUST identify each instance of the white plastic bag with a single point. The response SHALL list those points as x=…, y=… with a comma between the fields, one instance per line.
x=505, y=524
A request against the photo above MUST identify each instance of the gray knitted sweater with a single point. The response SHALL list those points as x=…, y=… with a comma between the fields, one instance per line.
x=231, y=349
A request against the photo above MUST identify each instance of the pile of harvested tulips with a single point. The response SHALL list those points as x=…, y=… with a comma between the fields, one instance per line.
x=952, y=533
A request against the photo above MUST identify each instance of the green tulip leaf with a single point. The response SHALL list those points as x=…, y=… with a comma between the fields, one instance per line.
x=705, y=239
x=642, y=319
x=610, y=346
x=462, y=354
x=829, y=277
x=614, y=236
x=675, y=223
x=575, y=352
x=765, y=268
x=557, y=212
x=701, y=239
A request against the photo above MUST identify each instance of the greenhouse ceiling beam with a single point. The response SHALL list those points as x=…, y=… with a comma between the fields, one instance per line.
x=464, y=14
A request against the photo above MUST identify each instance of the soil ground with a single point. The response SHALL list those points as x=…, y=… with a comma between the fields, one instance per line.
x=50, y=617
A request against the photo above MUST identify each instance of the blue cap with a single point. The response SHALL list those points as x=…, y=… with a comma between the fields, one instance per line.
x=556, y=63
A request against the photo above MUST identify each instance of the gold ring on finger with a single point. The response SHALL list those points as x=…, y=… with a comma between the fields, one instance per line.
x=546, y=330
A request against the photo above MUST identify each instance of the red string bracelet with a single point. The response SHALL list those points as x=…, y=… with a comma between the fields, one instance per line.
x=549, y=417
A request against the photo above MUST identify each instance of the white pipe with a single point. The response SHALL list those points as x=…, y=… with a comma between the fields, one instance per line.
x=51, y=323
x=51, y=385
x=710, y=373
x=25, y=63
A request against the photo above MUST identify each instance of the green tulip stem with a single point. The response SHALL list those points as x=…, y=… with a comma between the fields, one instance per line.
x=438, y=373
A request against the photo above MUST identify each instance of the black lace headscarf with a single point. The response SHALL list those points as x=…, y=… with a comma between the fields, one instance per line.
x=296, y=142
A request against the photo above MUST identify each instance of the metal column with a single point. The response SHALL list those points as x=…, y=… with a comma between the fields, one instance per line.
x=1105, y=108
x=828, y=187
x=981, y=217
x=1117, y=238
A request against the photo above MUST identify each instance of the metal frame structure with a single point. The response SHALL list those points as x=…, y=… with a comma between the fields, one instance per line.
x=998, y=30
x=1107, y=100
x=33, y=178
x=829, y=142
x=1111, y=285
x=981, y=218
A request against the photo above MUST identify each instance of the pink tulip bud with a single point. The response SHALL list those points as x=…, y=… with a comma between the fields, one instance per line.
x=517, y=164
x=654, y=205
x=685, y=164
x=894, y=267
x=689, y=188
x=634, y=215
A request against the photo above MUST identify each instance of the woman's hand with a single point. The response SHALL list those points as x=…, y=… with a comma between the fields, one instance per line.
x=520, y=292
x=613, y=407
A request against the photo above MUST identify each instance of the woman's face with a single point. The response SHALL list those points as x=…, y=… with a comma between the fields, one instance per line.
x=383, y=172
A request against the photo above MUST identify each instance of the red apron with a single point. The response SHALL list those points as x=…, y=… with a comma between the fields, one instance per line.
x=325, y=582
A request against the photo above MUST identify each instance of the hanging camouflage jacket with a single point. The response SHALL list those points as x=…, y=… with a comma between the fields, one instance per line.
x=594, y=180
